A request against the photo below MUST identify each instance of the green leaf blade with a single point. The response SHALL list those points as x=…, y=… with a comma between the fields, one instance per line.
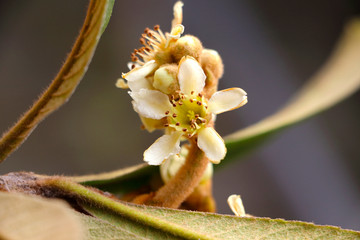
x=120, y=228
x=337, y=80
x=120, y=181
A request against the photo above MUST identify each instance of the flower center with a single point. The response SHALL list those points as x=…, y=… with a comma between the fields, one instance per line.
x=188, y=114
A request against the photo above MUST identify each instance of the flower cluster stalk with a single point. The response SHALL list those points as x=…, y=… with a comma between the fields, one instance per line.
x=173, y=193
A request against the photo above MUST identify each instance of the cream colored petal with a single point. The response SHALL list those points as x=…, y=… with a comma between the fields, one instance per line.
x=190, y=75
x=236, y=205
x=178, y=15
x=227, y=100
x=163, y=148
x=140, y=83
x=151, y=124
x=140, y=72
x=210, y=142
x=150, y=103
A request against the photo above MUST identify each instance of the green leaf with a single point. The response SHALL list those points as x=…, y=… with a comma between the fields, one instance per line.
x=34, y=218
x=64, y=84
x=98, y=229
x=107, y=14
x=195, y=225
x=120, y=181
x=337, y=80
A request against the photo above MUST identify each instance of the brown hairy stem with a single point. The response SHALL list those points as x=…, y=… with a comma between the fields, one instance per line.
x=173, y=193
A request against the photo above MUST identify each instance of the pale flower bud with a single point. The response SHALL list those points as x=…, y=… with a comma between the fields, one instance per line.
x=236, y=205
x=211, y=60
x=165, y=79
x=172, y=165
x=186, y=46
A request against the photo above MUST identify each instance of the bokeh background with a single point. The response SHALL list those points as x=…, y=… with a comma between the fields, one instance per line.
x=310, y=172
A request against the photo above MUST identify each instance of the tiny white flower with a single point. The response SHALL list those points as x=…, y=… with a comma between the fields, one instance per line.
x=187, y=113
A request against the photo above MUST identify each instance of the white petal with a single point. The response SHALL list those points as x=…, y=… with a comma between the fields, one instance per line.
x=190, y=75
x=138, y=84
x=140, y=72
x=151, y=124
x=150, y=103
x=227, y=100
x=163, y=148
x=210, y=142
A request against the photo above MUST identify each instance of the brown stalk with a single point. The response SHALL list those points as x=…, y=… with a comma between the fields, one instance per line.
x=63, y=85
x=173, y=193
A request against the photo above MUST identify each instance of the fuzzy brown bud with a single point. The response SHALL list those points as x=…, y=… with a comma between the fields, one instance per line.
x=163, y=57
x=186, y=46
x=211, y=60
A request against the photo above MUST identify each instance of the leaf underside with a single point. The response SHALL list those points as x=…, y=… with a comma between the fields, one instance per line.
x=196, y=225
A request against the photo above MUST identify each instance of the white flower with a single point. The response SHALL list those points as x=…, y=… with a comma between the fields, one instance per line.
x=187, y=113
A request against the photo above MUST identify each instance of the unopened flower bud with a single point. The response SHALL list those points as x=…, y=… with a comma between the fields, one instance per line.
x=165, y=79
x=236, y=205
x=211, y=60
x=186, y=46
x=172, y=165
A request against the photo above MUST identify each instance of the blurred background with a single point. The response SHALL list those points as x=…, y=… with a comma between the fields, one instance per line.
x=310, y=172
